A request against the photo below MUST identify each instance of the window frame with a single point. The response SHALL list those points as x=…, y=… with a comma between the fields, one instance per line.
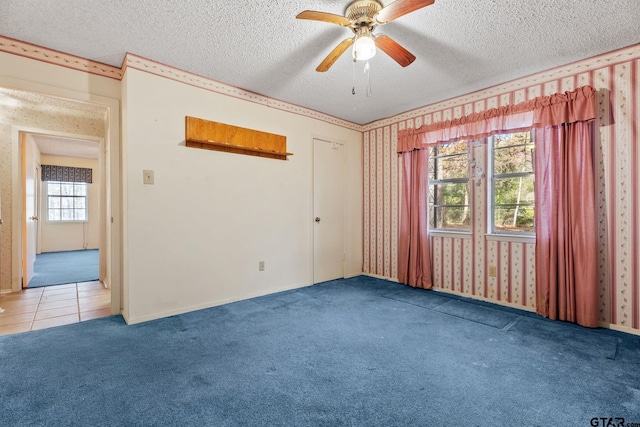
x=85, y=197
x=467, y=180
x=491, y=205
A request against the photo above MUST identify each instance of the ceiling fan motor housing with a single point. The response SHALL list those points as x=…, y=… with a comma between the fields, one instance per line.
x=361, y=13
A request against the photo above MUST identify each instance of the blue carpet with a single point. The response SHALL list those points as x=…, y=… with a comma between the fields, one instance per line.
x=58, y=268
x=340, y=353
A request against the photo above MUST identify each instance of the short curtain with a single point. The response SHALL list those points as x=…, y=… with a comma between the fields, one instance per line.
x=66, y=174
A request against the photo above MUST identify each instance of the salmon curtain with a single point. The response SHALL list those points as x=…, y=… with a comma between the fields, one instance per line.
x=565, y=200
x=414, y=267
x=566, y=276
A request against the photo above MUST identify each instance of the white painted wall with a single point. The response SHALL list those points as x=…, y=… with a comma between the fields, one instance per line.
x=71, y=236
x=195, y=237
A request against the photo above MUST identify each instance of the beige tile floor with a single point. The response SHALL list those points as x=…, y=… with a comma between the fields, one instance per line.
x=40, y=308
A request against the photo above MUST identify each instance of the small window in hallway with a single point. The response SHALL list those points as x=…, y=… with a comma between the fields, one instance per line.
x=66, y=201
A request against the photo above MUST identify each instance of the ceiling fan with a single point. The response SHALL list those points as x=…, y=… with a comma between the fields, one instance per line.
x=362, y=16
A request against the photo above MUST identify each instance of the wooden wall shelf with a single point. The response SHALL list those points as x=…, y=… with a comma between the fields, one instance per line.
x=216, y=136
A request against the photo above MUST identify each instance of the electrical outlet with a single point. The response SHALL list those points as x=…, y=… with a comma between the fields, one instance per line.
x=261, y=266
x=493, y=271
x=147, y=176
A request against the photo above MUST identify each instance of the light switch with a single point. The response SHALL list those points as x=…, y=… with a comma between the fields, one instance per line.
x=147, y=176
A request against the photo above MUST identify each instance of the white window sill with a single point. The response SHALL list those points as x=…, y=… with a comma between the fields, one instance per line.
x=516, y=238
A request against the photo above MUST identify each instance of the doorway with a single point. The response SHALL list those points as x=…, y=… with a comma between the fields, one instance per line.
x=329, y=163
x=63, y=217
x=63, y=114
x=63, y=209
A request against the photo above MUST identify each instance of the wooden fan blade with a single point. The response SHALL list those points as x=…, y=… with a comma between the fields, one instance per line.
x=324, y=17
x=334, y=55
x=399, y=8
x=399, y=54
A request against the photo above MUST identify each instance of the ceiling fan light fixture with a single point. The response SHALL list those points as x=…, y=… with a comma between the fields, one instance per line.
x=364, y=47
x=362, y=17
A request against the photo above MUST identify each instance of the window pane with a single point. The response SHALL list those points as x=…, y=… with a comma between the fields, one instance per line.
x=458, y=217
x=448, y=161
x=513, y=160
x=512, y=139
x=457, y=147
x=72, y=206
x=53, y=188
x=66, y=202
x=54, y=202
x=514, y=219
x=80, y=190
x=66, y=214
x=449, y=167
x=514, y=190
x=449, y=201
x=66, y=188
x=449, y=194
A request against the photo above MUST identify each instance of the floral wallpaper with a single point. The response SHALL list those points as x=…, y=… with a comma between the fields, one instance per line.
x=461, y=264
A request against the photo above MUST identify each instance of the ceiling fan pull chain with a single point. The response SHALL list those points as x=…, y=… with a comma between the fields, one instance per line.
x=353, y=77
x=367, y=71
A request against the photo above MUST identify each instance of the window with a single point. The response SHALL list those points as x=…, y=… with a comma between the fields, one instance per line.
x=512, y=186
x=66, y=201
x=449, y=186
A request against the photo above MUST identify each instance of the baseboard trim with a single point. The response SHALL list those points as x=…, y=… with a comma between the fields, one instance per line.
x=603, y=325
x=377, y=276
x=625, y=329
x=132, y=320
x=211, y=304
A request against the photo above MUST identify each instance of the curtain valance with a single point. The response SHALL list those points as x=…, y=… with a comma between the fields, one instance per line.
x=66, y=174
x=543, y=111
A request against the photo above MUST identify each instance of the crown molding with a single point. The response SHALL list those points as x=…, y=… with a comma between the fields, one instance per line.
x=55, y=57
x=172, y=73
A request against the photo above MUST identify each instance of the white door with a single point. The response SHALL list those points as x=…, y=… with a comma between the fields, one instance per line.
x=329, y=212
x=29, y=214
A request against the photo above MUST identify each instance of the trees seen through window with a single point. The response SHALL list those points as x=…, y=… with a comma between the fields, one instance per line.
x=512, y=192
x=449, y=201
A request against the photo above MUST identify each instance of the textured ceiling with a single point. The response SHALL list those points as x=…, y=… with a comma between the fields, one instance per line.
x=66, y=147
x=461, y=45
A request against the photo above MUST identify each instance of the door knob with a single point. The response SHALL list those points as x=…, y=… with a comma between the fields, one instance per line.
x=35, y=218
x=317, y=219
